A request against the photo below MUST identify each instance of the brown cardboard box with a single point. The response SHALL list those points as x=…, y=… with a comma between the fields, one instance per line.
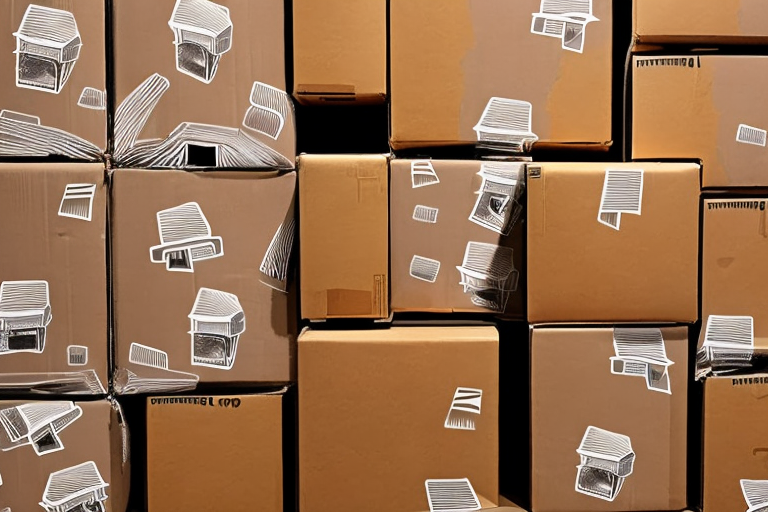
x=639, y=266
x=449, y=59
x=340, y=51
x=701, y=21
x=200, y=262
x=344, y=244
x=201, y=84
x=60, y=455
x=692, y=107
x=215, y=453
x=735, y=441
x=373, y=410
x=53, y=278
x=53, y=79
x=580, y=399
x=456, y=222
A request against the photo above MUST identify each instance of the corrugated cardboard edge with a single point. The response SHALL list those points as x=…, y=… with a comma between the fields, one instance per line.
x=120, y=478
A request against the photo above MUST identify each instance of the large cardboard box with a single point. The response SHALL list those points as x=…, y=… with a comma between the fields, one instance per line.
x=201, y=84
x=64, y=456
x=700, y=21
x=53, y=79
x=340, y=51
x=53, y=278
x=499, y=72
x=385, y=413
x=218, y=453
x=457, y=236
x=735, y=443
x=609, y=410
x=612, y=242
x=201, y=268
x=344, y=236
x=692, y=107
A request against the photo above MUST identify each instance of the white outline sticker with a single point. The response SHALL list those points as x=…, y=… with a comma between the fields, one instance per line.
x=78, y=487
x=269, y=109
x=607, y=456
x=77, y=355
x=37, y=424
x=77, y=201
x=496, y=207
x=92, y=98
x=216, y=322
x=488, y=274
x=508, y=122
x=640, y=352
x=426, y=214
x=465, y=408
x=566, y=20
x=23, y=135
x=729, y=342
x=185, y=237
x=424, y=269
x=276, y=262
x=750, y=135
x=622, y=193
x=755, y=494
x=451, y=495
x=423, y=174
x=25, y=312
x=163, y=379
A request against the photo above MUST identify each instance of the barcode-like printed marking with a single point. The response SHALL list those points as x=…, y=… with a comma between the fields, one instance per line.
x=622, y=193
x=425, y=269
x=425, y=214
x=750, y=135
x=451, y=495
x=729, y=331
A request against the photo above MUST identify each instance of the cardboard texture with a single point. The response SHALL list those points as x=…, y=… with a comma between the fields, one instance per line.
x=344, y=244
x=691, y=107
x=53, y=79
x=218, y=314
x=201, y=84
x=447, y=63
x=573, y=387
x=373, y=406
x=422, y=238
x=735, y=440
x=53, y=278
x=582, y=268
x=232, y=474
x=340, y=51
x=60, y=455
x=700, y=21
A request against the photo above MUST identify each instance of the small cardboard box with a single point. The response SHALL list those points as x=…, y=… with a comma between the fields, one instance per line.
x=386, y=415
x=614, y=242
x=609, y=411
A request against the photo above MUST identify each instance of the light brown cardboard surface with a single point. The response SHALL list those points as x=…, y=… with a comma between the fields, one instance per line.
x=572, y=388
x=344, y=236
x=241, y=470
x=584, y=271
x=372, y=409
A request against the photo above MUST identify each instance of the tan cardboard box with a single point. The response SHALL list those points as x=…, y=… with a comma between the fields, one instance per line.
x=201, y=84
x=344, y=236
x=701, y=21
x=499, y=72
x=609, y=410
x=384, y=412
x=201, y=264
x=215, y=453
x=692, y=107
x=340, y=51
x=457, y=236
x=53, y=278
x=53, y=80
x=612, y=242
x=63, y=455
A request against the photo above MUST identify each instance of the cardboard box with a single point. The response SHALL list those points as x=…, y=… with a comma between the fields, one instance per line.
x=735, y=441
x=64, y=456
x=242, y=466
x=612, y=242
x=700, y=21
x=53, y=80
x=344, y=201
x=340, y=51
x=609, y=411
x=201, y=84
x=471, y=71
x=53, y=278
x=201, y=264
x=691, y=107
x=457, y=236
x=400, y=417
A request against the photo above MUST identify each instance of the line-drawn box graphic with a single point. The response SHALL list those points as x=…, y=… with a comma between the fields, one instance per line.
x=156, y=376
x=465, y=409
x=640, y=352
x=451, y=495
x=607, y=459
x=75, y=489
x=269, y=109
x=77, y=201
x=425, y=269
x=93, y=99
x=497, y=207
x=728, y=344
x=564, y=19
x=47, y=48
x=217, y=321
x=24, y=135
x=203, y=33
x=37, y=424
x=25, y=312
x=622, y=193
x=277, y=260
x=77, y=355
x=506, y=122
x=488, y=274
x=755, y=494
x=185, y=237
x=423, y=174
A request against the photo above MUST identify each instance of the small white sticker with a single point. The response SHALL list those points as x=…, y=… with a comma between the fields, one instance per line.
x=729, y=341
x=564, y=19
x=37, y=424
x=269, y=109
x=465, y=409
x=640, y=352
x=622, y=193
x=425, y=269
x=508, y=122
x=185, y=237
x=496, y=207
x=426, y=214
x=750, y=135
x=451, y=495
x=276, y=262
x=93, y=99
x=77, y=355
x=217, y=321
x=607, y=459
x=77, y=201
x=423, y=174
x=488, y=274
